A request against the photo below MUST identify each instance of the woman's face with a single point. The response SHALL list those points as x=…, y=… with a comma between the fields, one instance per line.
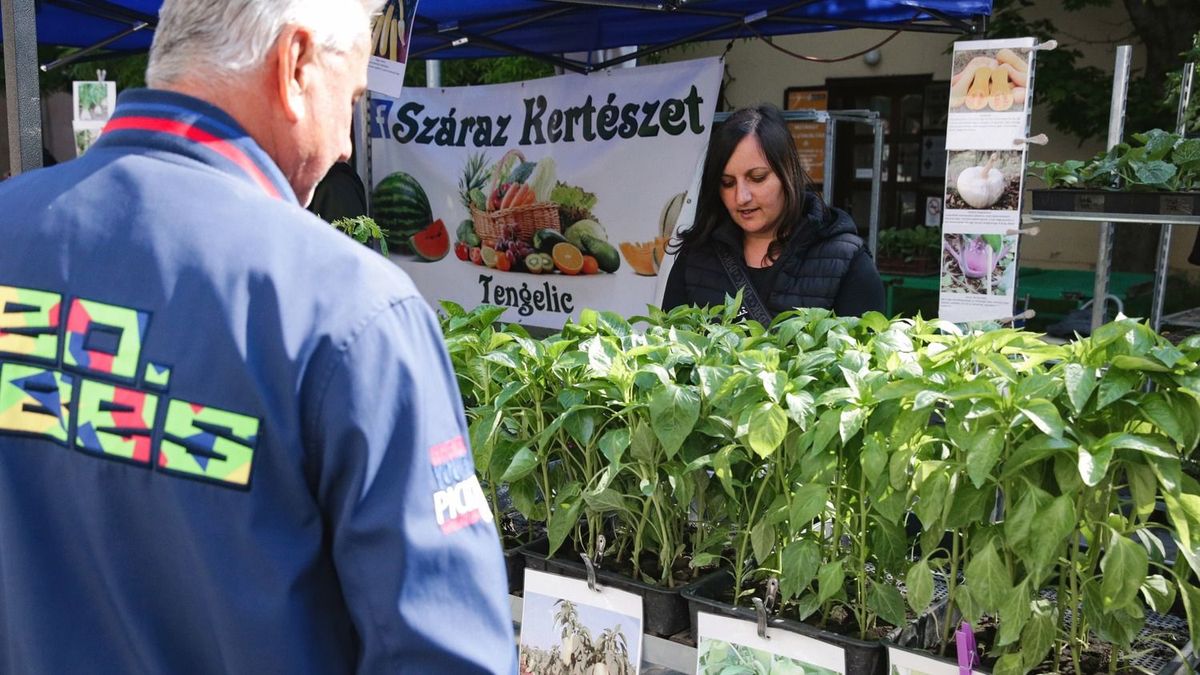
x=751, y=190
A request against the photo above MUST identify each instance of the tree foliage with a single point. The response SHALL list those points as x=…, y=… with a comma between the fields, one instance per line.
x=1078, y=96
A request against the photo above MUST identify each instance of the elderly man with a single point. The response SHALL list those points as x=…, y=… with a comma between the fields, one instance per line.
x=230, y=437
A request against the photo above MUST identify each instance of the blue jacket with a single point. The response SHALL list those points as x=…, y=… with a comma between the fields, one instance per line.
x=230, y=437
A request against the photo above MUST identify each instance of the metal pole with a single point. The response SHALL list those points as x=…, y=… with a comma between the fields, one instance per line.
x=876, y=185
x=22, y=94
x=1116, y=128
x=830, y=144
x=433, y=73
x=1164, y=233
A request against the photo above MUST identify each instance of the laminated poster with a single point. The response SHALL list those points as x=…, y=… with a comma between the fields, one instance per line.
x=726, y=645
x=92, y=103
x=544, y=197
x=391, y=33
x=991, y=89
x=567, y=627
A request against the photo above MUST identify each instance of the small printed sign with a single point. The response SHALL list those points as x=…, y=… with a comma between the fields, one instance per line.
x=391, y=32
x=726, y=645
x=568, y=627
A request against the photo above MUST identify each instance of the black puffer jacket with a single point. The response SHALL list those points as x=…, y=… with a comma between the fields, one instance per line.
x=825, y=264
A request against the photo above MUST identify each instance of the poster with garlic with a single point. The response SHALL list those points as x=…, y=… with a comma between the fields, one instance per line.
x=991, y=87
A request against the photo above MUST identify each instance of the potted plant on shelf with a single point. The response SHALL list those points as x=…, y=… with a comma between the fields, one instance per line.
x=912, y=251
x=1158, y=174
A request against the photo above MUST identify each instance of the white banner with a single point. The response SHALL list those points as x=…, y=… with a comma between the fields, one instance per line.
x=991, y=90
x=553, y=195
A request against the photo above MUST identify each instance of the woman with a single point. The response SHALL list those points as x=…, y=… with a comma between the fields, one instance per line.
x=758, y=226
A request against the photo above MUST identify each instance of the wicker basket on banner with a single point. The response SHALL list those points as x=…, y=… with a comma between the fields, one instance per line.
x=490, y=225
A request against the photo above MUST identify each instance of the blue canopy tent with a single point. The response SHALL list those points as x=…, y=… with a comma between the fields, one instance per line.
x=447, y=29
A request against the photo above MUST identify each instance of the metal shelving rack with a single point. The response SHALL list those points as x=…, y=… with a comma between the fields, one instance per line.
x=1116, y=123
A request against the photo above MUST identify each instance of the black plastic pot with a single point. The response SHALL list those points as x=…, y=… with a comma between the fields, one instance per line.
x=1109, y=201
x=664, y=611
x=514, y=564
x=863, y=657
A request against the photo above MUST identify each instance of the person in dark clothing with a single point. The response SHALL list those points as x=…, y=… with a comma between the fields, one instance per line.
x=756, y=215
x=340, y=194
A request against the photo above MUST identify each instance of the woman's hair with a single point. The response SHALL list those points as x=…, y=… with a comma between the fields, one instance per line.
x=230, y=37
x=766, y=123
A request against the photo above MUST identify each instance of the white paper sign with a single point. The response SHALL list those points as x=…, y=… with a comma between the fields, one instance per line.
x=991, y=90
x=391, y=33
x=92, y=105
x=616, y=148
x=568, y=627
x=723, y=644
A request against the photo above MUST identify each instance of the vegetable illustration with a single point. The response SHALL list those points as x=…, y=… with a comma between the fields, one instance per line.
x=670, y=214
x=1002, y=97
x=645, y=257
x=432, y=243
x=981, y=186
x=977, y=95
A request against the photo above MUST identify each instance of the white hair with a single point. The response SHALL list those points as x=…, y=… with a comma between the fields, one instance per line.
x=229, y=37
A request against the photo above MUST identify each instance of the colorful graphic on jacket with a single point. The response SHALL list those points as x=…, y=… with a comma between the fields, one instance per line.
x=67, y=398
x=459, y=500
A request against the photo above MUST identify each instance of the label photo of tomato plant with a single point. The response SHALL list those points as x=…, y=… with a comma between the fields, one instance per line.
x=984, y=179
x=981, y=264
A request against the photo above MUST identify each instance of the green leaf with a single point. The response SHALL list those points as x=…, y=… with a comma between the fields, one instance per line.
x=801, y=560
x=1159, y=593
x=1114, y=385
x=613, y=444
x=523, y=463
x=1052, y=527
x=919, y=582
x=874, y=459
x=567, y=505
x=988, y=578
x=673, y=414
x=1081, y=381
x=1143, y=488
x=931, y=499
x=768, y=427
x=1019, y=523
x=885, y=600
x=1138, y=364
x=807, y=502
x=762, y=540
x=983, y=453
x=1124, y=566
x=830, y=579
x=827, y=427
x=580, y=425
x=1014, y=613
x=851, y=422
x=1158, y=409
x=1155, y=172
x=606, y=500
x=1044, y=416
x=642, y=443
x=1191, y=604
x=1039, y=633
x=1094, y=467
x=1009, y=664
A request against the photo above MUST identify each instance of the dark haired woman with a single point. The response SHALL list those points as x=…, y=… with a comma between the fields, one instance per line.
x=757, y=228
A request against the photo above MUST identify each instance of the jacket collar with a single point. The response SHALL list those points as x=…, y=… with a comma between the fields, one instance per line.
x=165, y=120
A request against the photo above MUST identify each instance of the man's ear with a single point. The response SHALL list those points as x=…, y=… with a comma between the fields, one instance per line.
x=295, y=59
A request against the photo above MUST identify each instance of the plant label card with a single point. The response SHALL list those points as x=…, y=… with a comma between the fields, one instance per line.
x=991, y=91
x=93, y=101
x=86, y=134
x=725, y=645
x=568, y=627
x=390, y=35
x=904, y=662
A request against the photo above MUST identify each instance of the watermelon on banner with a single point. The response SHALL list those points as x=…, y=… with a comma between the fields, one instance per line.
x=401, y=208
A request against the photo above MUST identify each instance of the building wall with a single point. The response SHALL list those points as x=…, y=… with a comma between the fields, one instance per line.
x=757, y=72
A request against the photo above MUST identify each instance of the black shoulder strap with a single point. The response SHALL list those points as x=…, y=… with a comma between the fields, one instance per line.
x=750, y=300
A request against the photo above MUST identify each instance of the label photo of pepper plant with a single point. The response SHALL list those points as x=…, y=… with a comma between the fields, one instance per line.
x=980, y=179
x=981, y=264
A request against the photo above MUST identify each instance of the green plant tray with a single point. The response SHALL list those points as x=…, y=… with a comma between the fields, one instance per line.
x=1109, y=205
